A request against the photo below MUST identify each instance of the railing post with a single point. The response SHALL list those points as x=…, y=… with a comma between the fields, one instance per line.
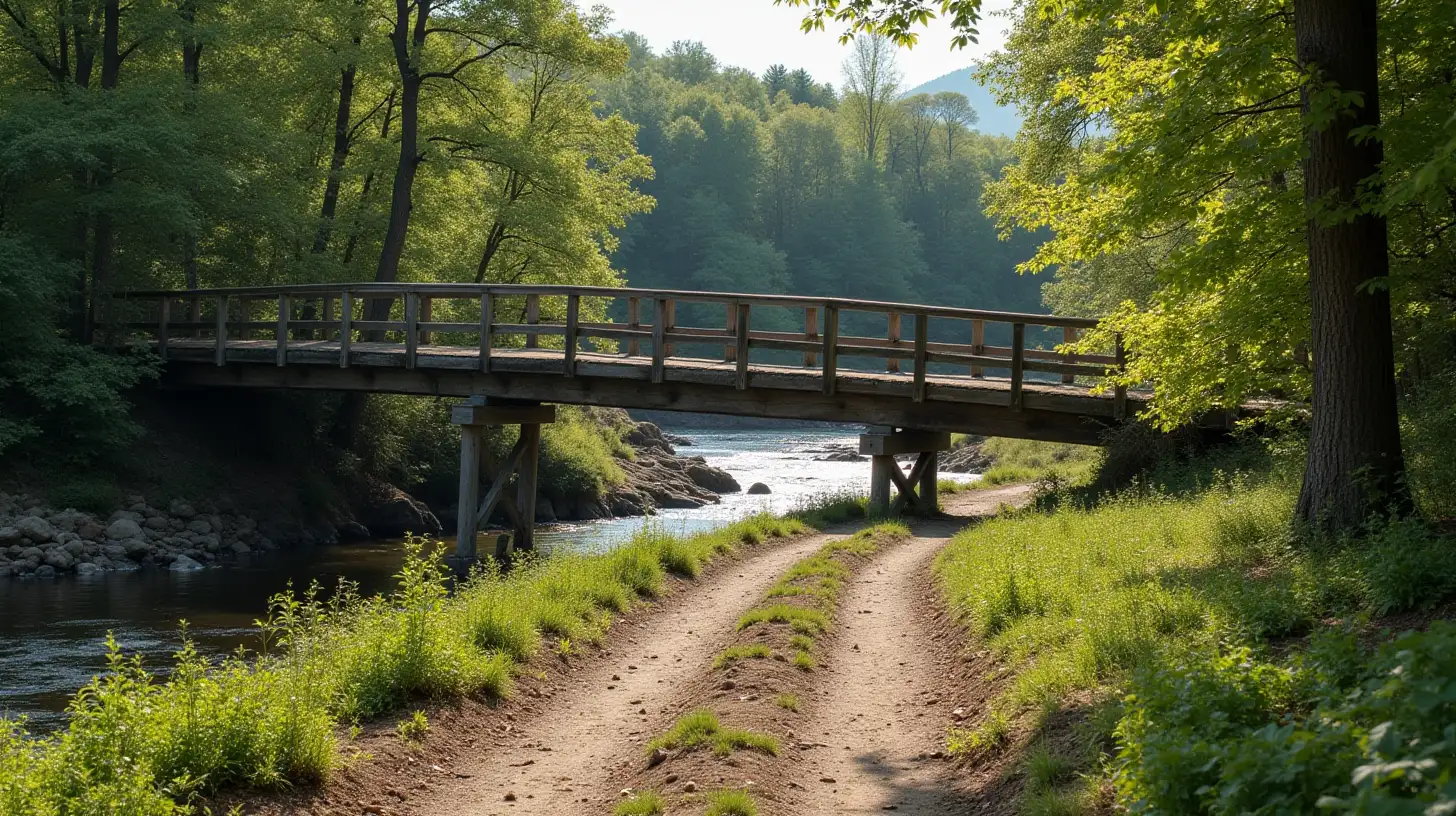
x=730, y=322
x=164, y=317
x=670, y=322
x=346, y=327
x=1119, y=392
x=427, y=311
x=219, y=355
x=1069, y=336
x=922, y=330
x=1018, y=362
x=831, y=347
x=741, y=349
x=573, y=307
x=411, y=328
x=245, y=313
x=634, y=322
x=194, y=314
x=978, y=345
x=533, y=317
x=285, y=311
x=811, y=333
x=327, y=316
x=659, y=339
x=892, y=364
x=487, y=330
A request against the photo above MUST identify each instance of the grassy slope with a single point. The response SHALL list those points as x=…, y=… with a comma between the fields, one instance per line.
x=138, y=744
x=1149, y=592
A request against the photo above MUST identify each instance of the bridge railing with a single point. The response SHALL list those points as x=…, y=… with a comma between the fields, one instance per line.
x=405, y=314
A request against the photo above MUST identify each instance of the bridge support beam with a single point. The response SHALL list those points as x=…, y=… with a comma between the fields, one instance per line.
x=916, y=492
x=478, y=469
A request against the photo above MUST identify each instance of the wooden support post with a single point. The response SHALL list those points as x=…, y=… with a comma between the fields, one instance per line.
x=928, y=496
x=730, y=323
x=533, y=317
x=219, y=353
x=1018, y=362
x=346, y=327
x=634, y=322
x=164, y=317
x=1069, y=336
x=411, y=328
x=922, y=332
x=659, y=342
x=427, y=311
x=880, y=467
x=892, y=364
x=1119, y=393
x=525, y=532
x=811, y=333
x=978, y=344
x=487, y=329
x=670, y=323
x=285, y=313
x=741, y=349
x=471, y=439
x=831, y=348
x=573, y=309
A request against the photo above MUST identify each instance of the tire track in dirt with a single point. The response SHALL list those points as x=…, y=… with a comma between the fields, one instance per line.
x=889, y=688
x=556, y=758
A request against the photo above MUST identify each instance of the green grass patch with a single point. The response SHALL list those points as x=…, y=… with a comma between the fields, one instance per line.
x=802, y=642
x=1019, y=461
x=701, y=727
x=803, y=660
x=642, y=803
x=788, y=702
x=1172, y=600
x=733, y=654
x=803, y=620
x=731, y=803
x=413, y=728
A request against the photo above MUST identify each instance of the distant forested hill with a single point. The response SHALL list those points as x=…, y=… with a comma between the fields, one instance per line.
x=996, y=120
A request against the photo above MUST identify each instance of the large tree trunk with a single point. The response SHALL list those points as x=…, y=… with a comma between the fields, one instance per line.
x=400, y=202
x=1355, y=464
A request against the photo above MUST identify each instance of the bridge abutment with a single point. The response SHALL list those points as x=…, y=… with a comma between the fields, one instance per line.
x=479, y=470
x=915, y=492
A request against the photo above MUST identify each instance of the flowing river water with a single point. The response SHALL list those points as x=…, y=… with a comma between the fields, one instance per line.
x=52, y=632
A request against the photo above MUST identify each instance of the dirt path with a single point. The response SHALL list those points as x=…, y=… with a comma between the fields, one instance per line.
x=589, y=726
x=889, y=689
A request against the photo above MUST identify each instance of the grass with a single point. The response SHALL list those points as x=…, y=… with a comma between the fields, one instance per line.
x=145, y=742
x=788, y=702
x=803, y=620
x=413, y=728
x=733, y=654
x=731, y=803
x=701, y=727
x=1018, y=461
x=642, y=803
x=803, y=660
x=1114, y=595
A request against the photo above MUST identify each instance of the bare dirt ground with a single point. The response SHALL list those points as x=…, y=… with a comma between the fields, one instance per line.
x=558, y=759
x=894, y=682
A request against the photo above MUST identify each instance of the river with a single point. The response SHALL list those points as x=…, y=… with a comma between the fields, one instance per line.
x=52, y=632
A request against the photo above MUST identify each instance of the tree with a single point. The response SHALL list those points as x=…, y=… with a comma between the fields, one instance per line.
x=954, y=112
x=871, y=85
x=775, y=80
x=689, y=62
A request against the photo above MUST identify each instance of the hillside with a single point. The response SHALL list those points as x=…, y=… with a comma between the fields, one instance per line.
x=996, y=120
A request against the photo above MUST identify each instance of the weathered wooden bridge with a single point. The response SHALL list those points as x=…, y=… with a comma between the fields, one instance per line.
x=510, y=348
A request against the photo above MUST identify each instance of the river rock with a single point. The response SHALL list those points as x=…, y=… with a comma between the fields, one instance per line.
x=181, y=509
x=970, y=458
x=199, y=526
x=546, y=511
x=392, y=513
x=841, y=456
x=135, y=547
x=88, y=568
x=60, y=559
x=674, y=501
x=9, y=535
x=45, y=571
x=758, y=489
x=352, y=531
x=91, y=531
x=35, y=529
x=711, y=478
x=184, y=563
x=123, y=528
x=239, y=548
x=159, y=522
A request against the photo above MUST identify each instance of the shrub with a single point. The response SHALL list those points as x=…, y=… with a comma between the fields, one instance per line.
x=413, y=728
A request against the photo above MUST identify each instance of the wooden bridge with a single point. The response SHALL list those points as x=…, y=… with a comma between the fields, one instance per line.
x=510, y=347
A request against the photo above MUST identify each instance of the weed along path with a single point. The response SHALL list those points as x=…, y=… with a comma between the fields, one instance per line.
x=891, y=685
x=556, y=758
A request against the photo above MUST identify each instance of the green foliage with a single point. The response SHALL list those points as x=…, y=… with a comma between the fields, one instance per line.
x=702, y=728
x=642, y=803
x=1018, y=461
x=788, y=702
x=733, y=654
x=413, y=728
x=731, y=803
x=807, y=621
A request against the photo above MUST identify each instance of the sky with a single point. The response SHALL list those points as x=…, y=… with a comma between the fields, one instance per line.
x=755, y=34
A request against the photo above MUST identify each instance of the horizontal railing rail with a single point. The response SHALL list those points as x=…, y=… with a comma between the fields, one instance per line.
x=353, y=313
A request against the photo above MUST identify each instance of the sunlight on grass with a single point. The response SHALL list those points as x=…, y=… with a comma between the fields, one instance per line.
x=701, y=727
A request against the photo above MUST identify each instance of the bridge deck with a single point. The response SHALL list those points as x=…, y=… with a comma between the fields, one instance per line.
x=952, y=402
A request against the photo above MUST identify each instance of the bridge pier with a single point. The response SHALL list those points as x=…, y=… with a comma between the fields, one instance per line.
x=916, y=493
x=478, y=468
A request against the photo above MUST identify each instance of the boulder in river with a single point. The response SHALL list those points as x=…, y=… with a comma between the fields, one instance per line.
x=391, y=513
x=123, y=528
x=353, y=531
x=35, y=529
x=758, y=489
x=184, y=563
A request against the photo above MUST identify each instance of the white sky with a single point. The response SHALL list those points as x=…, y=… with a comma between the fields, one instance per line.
x=755, y=34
